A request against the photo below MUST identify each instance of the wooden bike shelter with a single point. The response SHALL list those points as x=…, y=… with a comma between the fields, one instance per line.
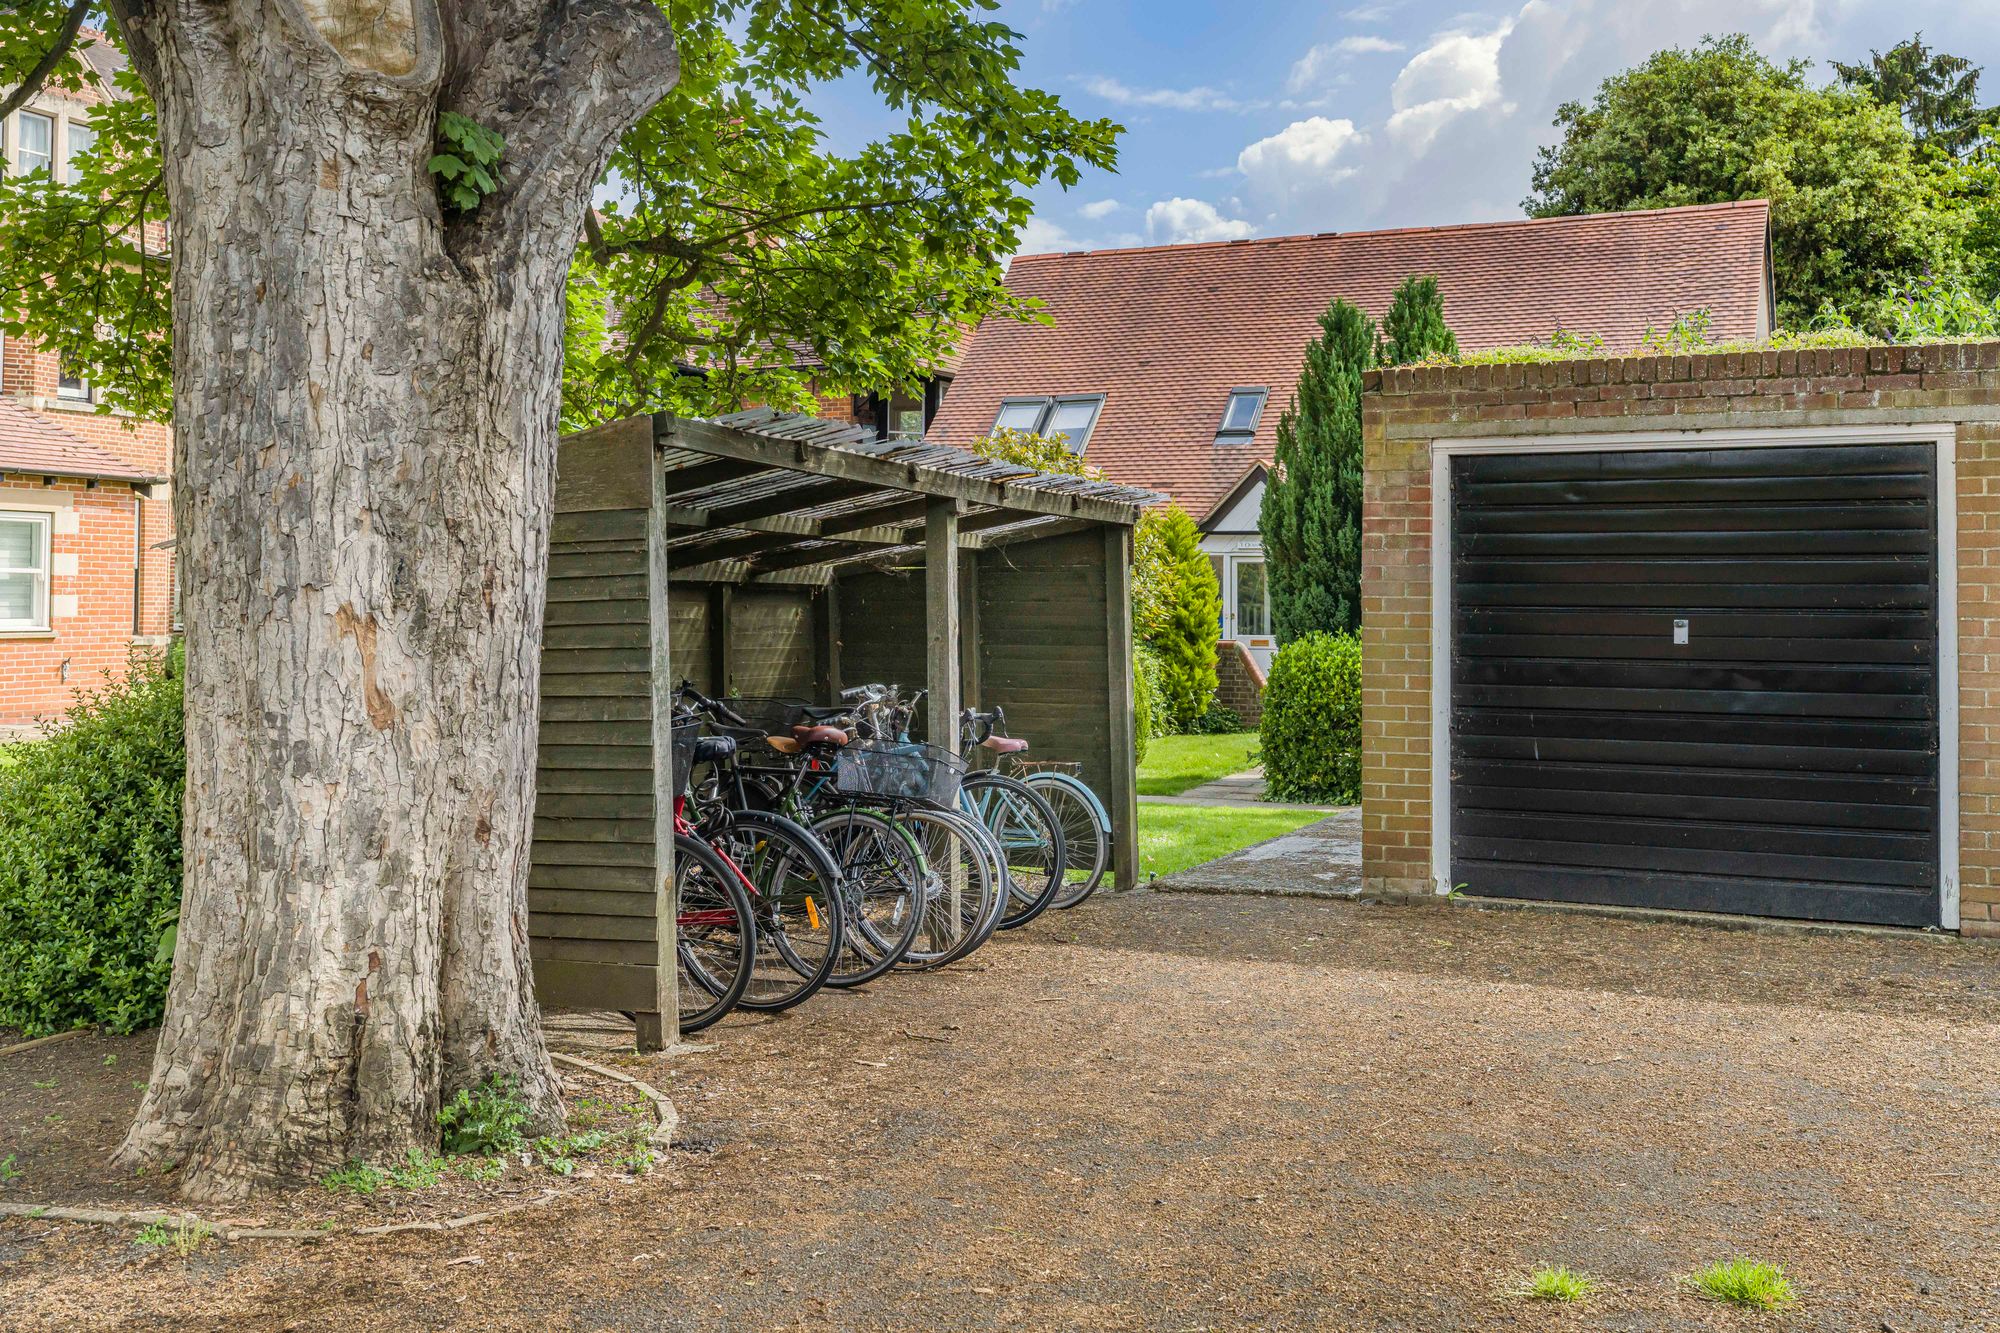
x=768, y=554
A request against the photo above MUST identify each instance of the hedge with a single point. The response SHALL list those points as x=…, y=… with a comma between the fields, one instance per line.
x=1147, y=720
x=1311, y=730
x=90, y=859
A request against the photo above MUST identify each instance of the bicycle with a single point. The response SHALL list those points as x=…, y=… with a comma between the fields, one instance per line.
x=715, y=934
x=1021, y=821
x=1085, y=823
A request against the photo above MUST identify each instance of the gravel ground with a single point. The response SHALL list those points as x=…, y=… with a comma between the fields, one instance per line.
x=1171, y=1111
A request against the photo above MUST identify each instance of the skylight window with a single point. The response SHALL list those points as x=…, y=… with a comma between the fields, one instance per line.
x=1070, y=419
x=1240, y=417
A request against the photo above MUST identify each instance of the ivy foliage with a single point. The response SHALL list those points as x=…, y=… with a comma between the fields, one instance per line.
x=1853, y=206
x=90, y=859
x=747, y=254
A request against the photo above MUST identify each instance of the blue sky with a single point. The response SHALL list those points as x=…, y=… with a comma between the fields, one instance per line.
x=1266, y=117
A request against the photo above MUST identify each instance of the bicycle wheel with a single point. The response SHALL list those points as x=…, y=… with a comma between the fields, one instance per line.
x=1086, y=835
x=1030, y=838
x=958, y=909
x=716, y=939
x=795, y=900
x=882, y=880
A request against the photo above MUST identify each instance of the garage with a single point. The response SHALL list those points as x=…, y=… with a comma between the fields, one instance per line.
x=1697, y=678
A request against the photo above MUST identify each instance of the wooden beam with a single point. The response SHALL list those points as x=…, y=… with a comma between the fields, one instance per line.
x=1048, y=527
x=801, y=559
x=791, y=499
x=662, y=1030
x=1121, y=798
x=901, y=511
x=721, y=606
x=826, y=641
x=941, y=622
x=802, y=456
x=715, y=472
x=968, y=631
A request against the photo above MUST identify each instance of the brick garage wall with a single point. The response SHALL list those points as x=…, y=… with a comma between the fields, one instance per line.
x=1406, y=409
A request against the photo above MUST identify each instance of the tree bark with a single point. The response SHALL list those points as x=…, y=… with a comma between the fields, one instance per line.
x=366, y=394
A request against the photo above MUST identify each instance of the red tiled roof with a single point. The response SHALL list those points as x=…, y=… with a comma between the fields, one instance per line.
x=30, y=442
x=1165, y=332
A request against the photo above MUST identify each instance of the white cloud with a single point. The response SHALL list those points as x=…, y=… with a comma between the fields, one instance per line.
x=1309, y=146
x=1172, y=221
x=1457, y=73
x=1040, y=237
x=1368, y=13
x=1170, y=99
x=1312, y=69
x=1098, y=210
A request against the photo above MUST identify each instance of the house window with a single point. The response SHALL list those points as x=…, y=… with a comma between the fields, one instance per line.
x=36, y=150
x=1241, y=415
x=73, y=386
x=24, y=571
x=1070, y=419
x=1253, y=601
x=82, y=141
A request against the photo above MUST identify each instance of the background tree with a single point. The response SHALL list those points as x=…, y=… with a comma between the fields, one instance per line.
x=1853, y=208
x=365, y=372
x=1311, y=514
x=1183, y=623
x=1044, y=453
x=1936, y=93
x=1414, y=329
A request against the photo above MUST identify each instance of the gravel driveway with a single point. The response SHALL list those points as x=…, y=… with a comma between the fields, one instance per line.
x=1171, y=1111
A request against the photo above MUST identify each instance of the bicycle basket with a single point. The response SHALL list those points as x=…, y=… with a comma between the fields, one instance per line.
x=685, y=735
x=898, y=771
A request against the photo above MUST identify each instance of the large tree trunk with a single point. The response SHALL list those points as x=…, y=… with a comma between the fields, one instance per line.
x=366, y=395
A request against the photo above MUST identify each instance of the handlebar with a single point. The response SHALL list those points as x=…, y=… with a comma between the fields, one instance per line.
x=708, y=705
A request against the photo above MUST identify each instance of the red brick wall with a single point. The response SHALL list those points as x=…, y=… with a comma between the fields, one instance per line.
x=1407, y=409
x=1239, y=685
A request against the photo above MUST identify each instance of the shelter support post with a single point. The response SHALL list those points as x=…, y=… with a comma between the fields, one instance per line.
x=1122, y=794
x=661, y=1029
x=941, y=621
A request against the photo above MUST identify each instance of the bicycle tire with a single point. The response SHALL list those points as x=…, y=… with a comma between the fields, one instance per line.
x=1030, y=838
x=957, y=911
x=716, y=935
x=801, y=926
x=1086, y=834
x=996, y=869
x=882, y=878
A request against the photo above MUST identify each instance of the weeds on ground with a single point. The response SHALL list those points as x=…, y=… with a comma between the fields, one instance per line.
x=183, y=1235
x=1556, y=1283
x=1750, y=1283
x=8, y=1171
x=484, y=1121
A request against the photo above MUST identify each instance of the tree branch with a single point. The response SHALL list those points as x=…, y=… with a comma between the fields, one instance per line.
x=65, y=39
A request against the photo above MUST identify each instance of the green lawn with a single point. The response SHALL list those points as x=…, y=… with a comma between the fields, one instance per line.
x=1175, y=763
x=1174, y=837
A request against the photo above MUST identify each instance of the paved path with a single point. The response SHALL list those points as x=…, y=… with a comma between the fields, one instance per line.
x=1246, y=788
x=1321, y=860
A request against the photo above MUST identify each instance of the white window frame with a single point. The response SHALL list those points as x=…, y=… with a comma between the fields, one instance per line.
x=40, y=622
x=55, y=140
x=1047, y=405
x=1225, y=433
x=70, y=126
x=82, y=392
x=1943, y=439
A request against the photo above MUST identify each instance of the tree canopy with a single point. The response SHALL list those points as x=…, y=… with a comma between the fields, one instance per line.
x=737, y=254
x=1936, y=92
x=1853, y=208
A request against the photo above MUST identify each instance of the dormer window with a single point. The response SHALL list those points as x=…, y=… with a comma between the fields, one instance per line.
x=1070, y=418
x=1241, y=415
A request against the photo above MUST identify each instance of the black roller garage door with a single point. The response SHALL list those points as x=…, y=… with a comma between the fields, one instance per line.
x=1701, y=679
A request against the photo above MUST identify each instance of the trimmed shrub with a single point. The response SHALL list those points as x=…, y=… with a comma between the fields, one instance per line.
x=1184, y=626
x=1311, y=732
x=1217, y=721
x=90, y=859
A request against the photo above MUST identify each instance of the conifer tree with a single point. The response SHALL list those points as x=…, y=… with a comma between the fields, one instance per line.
x=1414, y=329
x=1311, y=516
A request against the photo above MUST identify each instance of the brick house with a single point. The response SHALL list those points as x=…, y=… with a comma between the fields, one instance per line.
x=1710, y=632
x=85, y=508
x=1171, y=365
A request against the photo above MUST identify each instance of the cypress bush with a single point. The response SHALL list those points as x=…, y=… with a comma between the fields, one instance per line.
x=90, y=859
x=1183, y=621
x=1311, y=730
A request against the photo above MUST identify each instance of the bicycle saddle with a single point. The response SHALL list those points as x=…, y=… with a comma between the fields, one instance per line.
x=819, y=735
x=782, y=744
x=1005, y=744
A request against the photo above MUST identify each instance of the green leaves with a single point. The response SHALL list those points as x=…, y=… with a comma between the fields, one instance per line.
x=1178, y=616
x=468, y=167
x=1310, y=732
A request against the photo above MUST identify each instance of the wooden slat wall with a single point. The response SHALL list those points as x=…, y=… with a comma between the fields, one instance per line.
x=882, y=629
x=1042, y=648
x=771, y=642
x=591, y=906
x=689, y=642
